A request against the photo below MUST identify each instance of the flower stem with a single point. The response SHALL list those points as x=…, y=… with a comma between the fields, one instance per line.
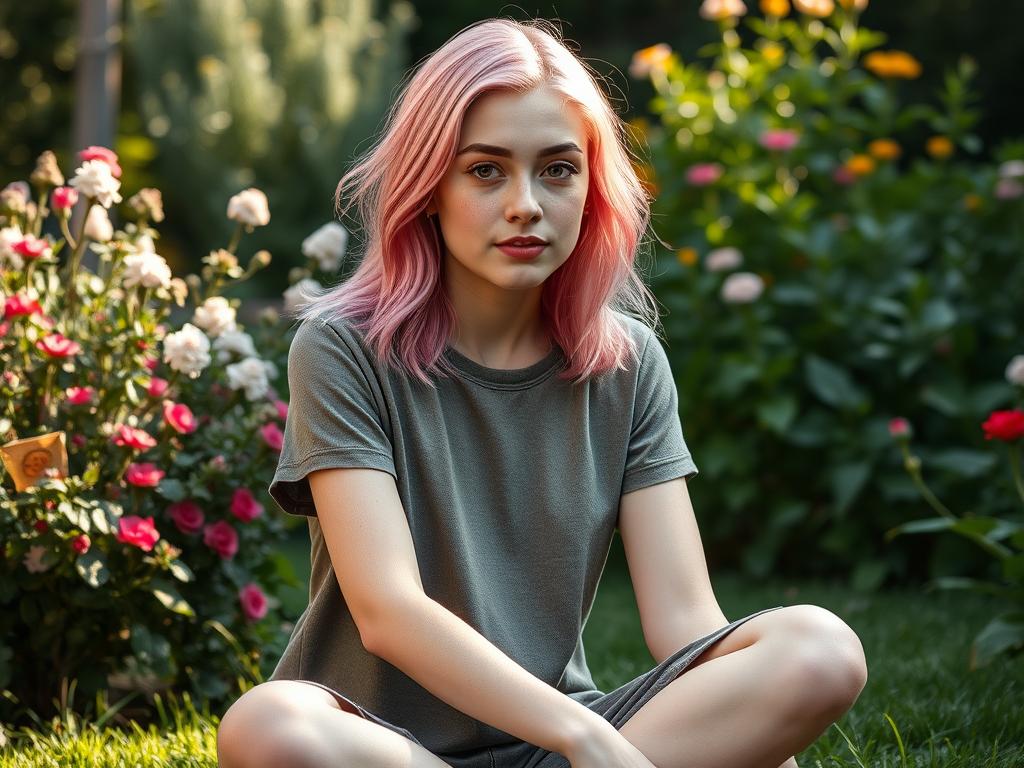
x=1014, y=452
x=235, y=238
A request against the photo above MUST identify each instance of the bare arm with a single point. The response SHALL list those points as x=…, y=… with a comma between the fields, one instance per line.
x=371, y=548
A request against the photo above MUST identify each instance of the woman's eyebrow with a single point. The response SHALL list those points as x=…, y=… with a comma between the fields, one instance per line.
x=490, y=149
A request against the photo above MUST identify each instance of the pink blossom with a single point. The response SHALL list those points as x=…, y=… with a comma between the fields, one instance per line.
x=63, y=199
x=779, y=139
x=4, y=328
x=156, y=386
x=78, y=440
x=41, y=526
x=131, y=437
x=108, y=156
x=58, y=345
x=1008, y=189
x=254, y=602
x=221, y=538
x=244, y=505
x=899, y=427
x=80, y=395
x=844, y=176
x=138, y=531
x=81, y=543
x=282, y=409
x=187, y=515
x=179, y=417
x=19, y=304
x=151, y=363
x=144, y=475
x=31, y=247
x=702, y=174
x=272, y=436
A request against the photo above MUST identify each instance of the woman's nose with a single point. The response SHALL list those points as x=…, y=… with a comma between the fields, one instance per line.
x=522, y=204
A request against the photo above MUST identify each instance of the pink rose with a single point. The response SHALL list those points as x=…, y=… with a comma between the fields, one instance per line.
x=899, y=427
x=19, y=305
x=137, y=531
x=143, y=475
x=187, y=516
x=81, y=543
x=4, y=328
x=156, y=386
x=702, y=174
x=778, y=139
x=244, y=506
x=138, y=439
x=272, y=436
x=179, y=417
x=58, y=345
x=151, y=363
x=221, y=538
x=282, y=409
x=78, y=440
x=80, y=395
x=108, y=156
x=63, y=199
x=31, y=247
x=254, y=602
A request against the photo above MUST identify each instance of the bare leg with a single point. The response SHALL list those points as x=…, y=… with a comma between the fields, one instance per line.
x=288, y=723
x=761, y=694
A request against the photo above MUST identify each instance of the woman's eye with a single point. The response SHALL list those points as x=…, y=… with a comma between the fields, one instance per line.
x=567, y=168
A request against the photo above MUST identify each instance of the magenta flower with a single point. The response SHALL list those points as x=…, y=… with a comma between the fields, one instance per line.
x=131, y=437
x=81, y=543
x=273, y=436
x=179, y=417
x=244, y=505
x=20, y=305
x=899, y=427
x=108, y=156
x=222, y=539
x=138, y=531
x=254, y=602
x=58, y=345
x=703, y=174
x=80, y=395
x=187, y=516
x=143, y=475
x=156, y=387
x=63, y=199
x=779, y=139
x=31, y=247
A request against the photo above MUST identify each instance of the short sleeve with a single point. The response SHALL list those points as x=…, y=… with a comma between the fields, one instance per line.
x=334, y=414
x=657, y=451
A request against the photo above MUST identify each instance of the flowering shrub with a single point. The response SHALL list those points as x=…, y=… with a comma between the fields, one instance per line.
x=838, y=255
x=136, y=539
x=1001, y=537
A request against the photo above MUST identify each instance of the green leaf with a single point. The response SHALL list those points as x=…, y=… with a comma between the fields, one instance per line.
x=92, y=567
x=171, y=489
x=91, y=474
x=76, y=515
x=105, y=516
x=868, y=575
x=777, y=414
x=847, y=482
x=1003, y=633
x=938, y=315
x=131, y=392
x=930, y=525
x=1013, y=568
x=181, y=572
x=170, y=598
x=962, y=461
x=832, y=384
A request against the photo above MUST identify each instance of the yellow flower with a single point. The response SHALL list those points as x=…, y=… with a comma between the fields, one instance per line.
x=972, y=202
x=857, y=5
x=647, y=60
x=773, y=52
x=860, y=165
x=893, y=64
x=720, y=10
x=939, y=147
x=819, y=8
x=774, y=7
x=884, y=149
x=687, y=257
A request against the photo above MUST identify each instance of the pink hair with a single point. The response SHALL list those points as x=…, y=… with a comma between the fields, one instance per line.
x=396, y=296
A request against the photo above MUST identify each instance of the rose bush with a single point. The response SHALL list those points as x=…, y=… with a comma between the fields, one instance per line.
x=137, y=451
x=837, y=254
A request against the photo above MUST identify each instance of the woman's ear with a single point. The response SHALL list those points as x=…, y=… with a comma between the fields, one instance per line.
x=431, y=208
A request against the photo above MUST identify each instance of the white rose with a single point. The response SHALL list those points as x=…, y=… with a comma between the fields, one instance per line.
x=145, y=243
x=251, y=375
x=233, y=342
x=8, y=258
x=1012, y=169
x=303, y=291
x=718, y=9
x=37, y=559
x=723, y=259
x=187, y=351
x=98, y=226
x=742, y=288
x=249, y=207
x=1015, y=370
x=94, y=179
x=215, y=316
x=147, y=269
x=327, y=245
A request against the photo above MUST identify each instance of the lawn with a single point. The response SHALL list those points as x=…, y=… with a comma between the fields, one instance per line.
x=922, y=707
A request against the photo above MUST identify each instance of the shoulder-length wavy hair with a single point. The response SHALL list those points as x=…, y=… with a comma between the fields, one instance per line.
x=396, y=297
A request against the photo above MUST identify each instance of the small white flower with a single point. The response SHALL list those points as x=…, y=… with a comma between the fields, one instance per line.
x=94, y=179
x=327, y=245
x=36, y=560
x=300, y=293
x=1015, y=370
x=215, y=316
x=8, y=258
x=147, y=269
x=249, y=374
x=187, y=351
x=1012, y=169
x=145, y=243
x=742, y=288
x=249, y=207
x=723, y=259
x=98, y=226
x=233, y=342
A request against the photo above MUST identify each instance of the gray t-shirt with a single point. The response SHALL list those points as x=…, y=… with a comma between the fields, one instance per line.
x=510, y=481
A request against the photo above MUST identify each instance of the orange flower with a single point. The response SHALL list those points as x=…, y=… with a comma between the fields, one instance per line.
x=818, y=8
x=939, y=147
x=774, y=7
x=972, y=202
x=856, y=5
x=650, y=59
x=773, y=52
x=893, y=64
x=687, y=256
x=860, y=165
x=884, y=149
x=720, y=10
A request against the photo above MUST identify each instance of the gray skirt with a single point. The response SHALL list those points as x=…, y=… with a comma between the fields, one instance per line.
x=615, y=707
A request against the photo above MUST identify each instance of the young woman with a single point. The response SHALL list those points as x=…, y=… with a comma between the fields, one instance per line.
x=473, y=413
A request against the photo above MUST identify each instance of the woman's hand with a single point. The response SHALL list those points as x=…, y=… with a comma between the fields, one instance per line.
x=602, y=746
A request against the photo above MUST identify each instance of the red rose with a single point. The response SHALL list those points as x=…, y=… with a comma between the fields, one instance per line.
x=57, y=345
x=244, y=506
x=19, y=305
x=137, y=531
x=63, y=199
x=41, y=526
x=144, y=475
x=187, y=516
x=899, y=427
x=31, y=247
x=81, y=544
x=1004, y=425
x=221, y=538
x=179, y=417
x=79, y=395
x=254, y=602
x=156, y=386
x=131, y=437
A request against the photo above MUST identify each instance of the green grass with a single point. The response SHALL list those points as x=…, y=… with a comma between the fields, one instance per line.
x=922, y=707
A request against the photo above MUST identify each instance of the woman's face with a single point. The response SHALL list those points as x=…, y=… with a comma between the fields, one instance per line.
x=520, y=170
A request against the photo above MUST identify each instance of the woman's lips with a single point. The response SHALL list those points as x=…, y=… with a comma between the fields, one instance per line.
x=523, y=251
